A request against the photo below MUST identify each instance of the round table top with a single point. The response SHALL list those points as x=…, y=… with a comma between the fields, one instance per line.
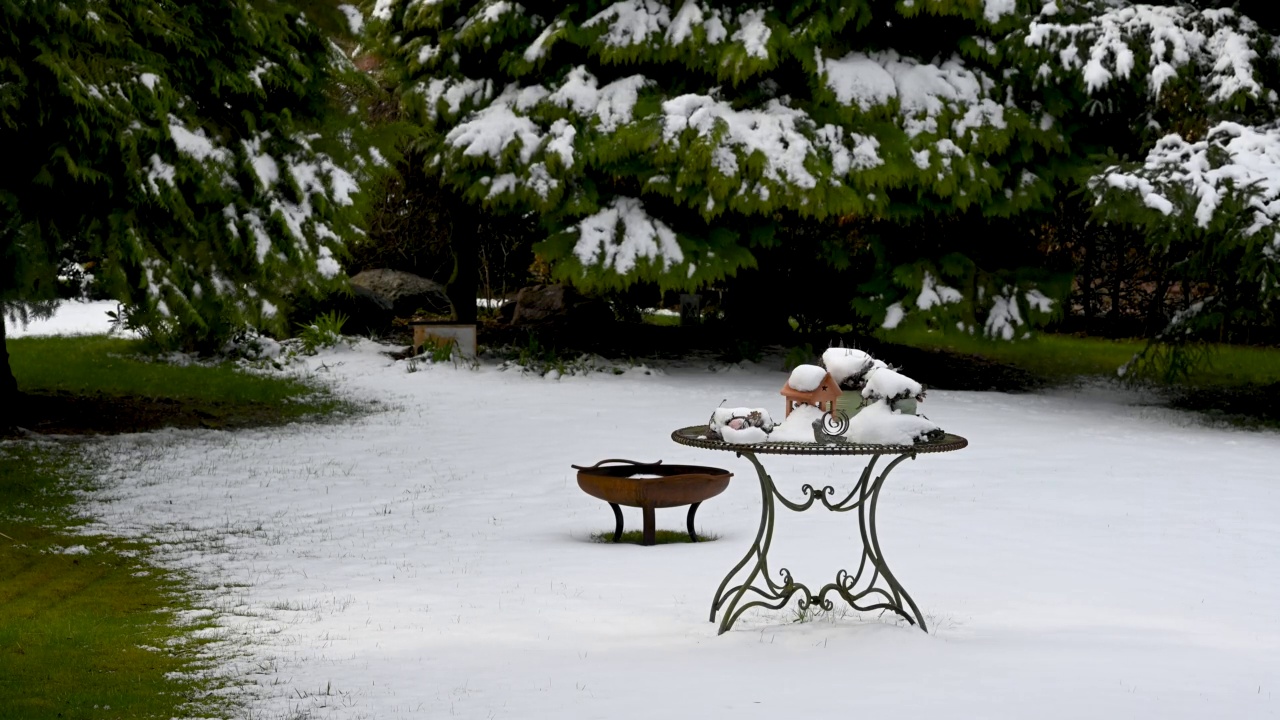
x=696, y=436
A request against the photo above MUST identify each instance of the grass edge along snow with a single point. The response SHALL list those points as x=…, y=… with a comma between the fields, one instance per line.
x=91, y=625
x=229, y=394
x=1057, y=356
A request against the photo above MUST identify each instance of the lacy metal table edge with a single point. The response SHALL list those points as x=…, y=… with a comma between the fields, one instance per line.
x=864, y=497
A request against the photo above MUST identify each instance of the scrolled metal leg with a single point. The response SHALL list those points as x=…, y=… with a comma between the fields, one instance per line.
x=617, y=516
x=862, y=590
x=766, y=513
x=773, y=595
x=693, y=509
x=872, y=568
x=871, y=542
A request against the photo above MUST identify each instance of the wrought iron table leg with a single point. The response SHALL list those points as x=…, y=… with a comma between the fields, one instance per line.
x=617, y=516
x=773, y=595
x=693, y=509
x=871, y=545
x=871, y=567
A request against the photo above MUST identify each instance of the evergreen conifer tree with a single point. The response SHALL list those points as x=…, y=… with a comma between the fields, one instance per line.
x=202, y=154
x=663, y=140
x=1183, y=100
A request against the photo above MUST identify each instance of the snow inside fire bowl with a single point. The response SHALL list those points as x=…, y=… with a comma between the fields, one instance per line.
x=1085, y=556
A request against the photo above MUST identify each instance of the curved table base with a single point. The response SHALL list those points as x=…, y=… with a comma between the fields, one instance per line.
x=871, y=587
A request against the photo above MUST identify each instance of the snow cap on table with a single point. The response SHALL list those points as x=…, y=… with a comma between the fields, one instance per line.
x=878, y=424
x=798, y=427
x=807, y=378
x=887, y=383
x=844, y=363
x=745, y=436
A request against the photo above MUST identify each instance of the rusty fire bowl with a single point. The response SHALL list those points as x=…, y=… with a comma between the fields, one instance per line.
x=651, y=485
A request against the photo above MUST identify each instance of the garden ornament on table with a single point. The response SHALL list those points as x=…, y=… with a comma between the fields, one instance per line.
x=899, y=391
x=849, y=366
x=850, y=369
x=739, y=424
x=879, y=424
x=830, y=429
x=811, y=385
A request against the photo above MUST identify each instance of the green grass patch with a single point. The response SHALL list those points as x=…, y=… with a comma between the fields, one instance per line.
x=660, y=537
x=661, y=319
x=89, y=635
x=97, y=363
x=1061, y=357
x=95, y=633
x=117, y=373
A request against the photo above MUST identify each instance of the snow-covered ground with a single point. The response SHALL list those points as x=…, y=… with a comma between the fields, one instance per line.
x=1087, y=556
x=72, y=318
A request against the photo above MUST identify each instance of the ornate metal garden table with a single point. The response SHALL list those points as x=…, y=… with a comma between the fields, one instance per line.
x=872, y=586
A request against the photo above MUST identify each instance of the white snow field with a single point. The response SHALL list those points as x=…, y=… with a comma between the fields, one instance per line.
x=71, y=318
x=1086, y=557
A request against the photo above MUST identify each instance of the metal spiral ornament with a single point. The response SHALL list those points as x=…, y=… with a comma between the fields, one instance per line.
x=832, y=428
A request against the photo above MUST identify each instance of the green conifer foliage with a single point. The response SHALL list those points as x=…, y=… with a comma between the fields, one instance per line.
x=1184, y=99
x=195, y=151
x=661, y=140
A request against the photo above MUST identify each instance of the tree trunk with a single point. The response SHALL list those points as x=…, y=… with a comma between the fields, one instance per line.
x=1116, y=290
x=8, y=386
x=464, y=244
x=1156, y=320
x=462, y=291
x=1087, y=282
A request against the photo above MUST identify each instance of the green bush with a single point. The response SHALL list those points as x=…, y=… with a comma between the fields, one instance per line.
x=325, y=331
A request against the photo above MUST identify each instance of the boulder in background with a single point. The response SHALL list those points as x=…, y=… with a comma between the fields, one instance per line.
x=406, y=293
x=544, y=304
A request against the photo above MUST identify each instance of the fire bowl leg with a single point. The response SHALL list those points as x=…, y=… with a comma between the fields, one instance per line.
x=650, y=537
x=617, y=516
x=693, y=509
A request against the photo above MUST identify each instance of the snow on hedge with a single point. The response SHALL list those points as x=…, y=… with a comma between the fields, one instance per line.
x=566, y=133
x=933, y=293
x=1213, y=44
x=622, y=234
x=1004, y=318
x=1233, y=159
x=923, y=90
x=647, y=134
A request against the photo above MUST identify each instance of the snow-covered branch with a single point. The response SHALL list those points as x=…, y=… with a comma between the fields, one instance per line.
x=1191, y=180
